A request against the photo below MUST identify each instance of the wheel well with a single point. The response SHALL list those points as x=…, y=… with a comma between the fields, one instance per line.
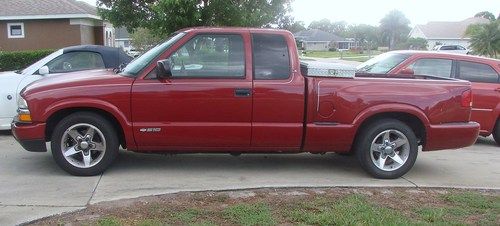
x=410, y=120
x=59, y=115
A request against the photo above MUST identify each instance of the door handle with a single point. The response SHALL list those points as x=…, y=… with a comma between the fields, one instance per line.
x=242, y=92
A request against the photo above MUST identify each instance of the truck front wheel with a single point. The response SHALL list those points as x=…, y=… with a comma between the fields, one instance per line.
x=84, y=144
x=387, y=148
x=496, y=132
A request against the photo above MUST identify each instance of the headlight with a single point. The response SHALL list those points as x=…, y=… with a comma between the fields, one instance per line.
x=23, y=113
x=21, y=103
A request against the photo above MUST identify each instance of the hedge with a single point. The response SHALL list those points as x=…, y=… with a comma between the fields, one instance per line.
x=10, y=61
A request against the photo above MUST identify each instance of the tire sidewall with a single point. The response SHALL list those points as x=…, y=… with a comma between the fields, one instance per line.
x=96, y=120
x=365, y=140
x=496, y=132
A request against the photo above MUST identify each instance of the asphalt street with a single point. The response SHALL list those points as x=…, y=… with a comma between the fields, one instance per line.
x=32, y=186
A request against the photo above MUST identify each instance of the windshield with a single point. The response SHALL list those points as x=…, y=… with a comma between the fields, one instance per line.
x=383, y=63
x=134, y=67
x=37, y=65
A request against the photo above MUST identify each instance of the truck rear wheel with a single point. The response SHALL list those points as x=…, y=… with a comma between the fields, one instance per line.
x=387, y=149
x=496, y=132
x=84, y=144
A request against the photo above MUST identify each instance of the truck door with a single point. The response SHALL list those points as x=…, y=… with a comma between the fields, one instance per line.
x=206, y=104
x=278, y=100
x=485, y=92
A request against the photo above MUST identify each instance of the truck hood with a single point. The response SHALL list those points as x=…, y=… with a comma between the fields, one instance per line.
x=81, y=80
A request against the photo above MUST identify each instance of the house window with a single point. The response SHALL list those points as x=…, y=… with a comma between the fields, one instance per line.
x=15, y=30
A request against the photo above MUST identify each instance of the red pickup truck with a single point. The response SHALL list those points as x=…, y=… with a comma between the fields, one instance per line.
x=240, y=90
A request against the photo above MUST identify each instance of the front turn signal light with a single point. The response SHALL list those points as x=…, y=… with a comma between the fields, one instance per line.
x=24, y=116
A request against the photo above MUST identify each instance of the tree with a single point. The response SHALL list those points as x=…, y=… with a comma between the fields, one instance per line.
x=415, y=43
x=143, y=39
x=163, y=17
x=287, y=22
x=486, y=15
x=395, y=28
x=485, y=38
x=338, y=27
x=366, y=35
x=323, y=24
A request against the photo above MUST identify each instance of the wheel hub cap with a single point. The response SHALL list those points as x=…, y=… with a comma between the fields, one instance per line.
x=390, y=150
x=84, y=145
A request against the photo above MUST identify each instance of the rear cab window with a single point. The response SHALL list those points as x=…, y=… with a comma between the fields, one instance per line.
x=432, y=66
x=271, y=59
x=477, y=72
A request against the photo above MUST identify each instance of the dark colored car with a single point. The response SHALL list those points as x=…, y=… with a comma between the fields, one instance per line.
x=483, y=73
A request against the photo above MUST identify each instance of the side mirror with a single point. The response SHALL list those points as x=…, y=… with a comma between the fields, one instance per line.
x=43, y=70
x=163, y=69
x=407, y=71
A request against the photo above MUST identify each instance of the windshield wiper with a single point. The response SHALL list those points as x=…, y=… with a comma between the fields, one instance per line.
x=120, y=68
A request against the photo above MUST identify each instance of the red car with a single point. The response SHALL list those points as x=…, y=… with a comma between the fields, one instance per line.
x=484, y=73
x=240, y=90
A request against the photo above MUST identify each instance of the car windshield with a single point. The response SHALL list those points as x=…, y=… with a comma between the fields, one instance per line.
x=383, y=63
x=34, y=67
x=134, y=67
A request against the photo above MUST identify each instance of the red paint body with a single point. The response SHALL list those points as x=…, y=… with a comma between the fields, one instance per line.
x=486, y=96
x=298, y=114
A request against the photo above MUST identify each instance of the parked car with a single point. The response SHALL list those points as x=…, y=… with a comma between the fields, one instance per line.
x=240, y=90
x=484, y=73
x=70, y=59
x=451, y=49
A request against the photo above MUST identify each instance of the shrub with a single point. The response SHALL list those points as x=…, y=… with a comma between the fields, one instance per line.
x=10, y=61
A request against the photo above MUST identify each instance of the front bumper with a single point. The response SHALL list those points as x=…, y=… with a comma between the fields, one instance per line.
x=451, y=136
x=30, y=136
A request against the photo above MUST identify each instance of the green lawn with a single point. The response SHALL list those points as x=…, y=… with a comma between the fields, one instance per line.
x=334, y=206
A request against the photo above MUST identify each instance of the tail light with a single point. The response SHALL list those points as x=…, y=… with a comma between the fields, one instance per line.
x=467, y=99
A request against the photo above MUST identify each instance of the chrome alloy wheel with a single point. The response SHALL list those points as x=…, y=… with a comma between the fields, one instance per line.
x=390, y=150
x=83, y=145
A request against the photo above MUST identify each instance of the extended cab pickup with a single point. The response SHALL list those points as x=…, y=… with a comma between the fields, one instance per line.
x=240, y=90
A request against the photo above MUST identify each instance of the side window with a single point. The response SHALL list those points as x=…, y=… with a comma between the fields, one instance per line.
x=76, y=61
x=270, y=57
x=476, y=72
x=435, y=67
x=210, y=56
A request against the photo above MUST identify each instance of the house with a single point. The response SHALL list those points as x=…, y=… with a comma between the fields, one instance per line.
x=122, y=39
x=445, y=33
x=51, y=24
x=314, y=39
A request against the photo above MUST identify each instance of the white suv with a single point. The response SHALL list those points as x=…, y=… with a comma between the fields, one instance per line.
x=451, y=49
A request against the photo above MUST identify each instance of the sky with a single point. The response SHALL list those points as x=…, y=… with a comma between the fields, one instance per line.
x=370, y=12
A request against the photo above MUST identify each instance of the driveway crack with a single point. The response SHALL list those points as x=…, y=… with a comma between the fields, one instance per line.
x=95, y=188
x=410, y=182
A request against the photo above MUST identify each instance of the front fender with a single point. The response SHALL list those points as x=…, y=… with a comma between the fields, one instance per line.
x=108, y=107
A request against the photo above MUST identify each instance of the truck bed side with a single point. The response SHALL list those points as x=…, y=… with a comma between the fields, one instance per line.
x=338, y=106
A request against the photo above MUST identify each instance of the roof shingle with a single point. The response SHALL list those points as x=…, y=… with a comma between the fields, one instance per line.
x=45, y=7
x=448, y=30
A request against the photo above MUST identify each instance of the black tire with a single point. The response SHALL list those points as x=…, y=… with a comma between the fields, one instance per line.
x=370, y=133
x=496, y=132
x=107, y=130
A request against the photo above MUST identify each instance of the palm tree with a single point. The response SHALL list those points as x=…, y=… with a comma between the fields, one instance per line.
x=394, y=26
x=485, y=38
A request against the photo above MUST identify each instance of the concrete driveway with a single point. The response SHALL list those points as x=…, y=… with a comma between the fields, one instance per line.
x=32, y=186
